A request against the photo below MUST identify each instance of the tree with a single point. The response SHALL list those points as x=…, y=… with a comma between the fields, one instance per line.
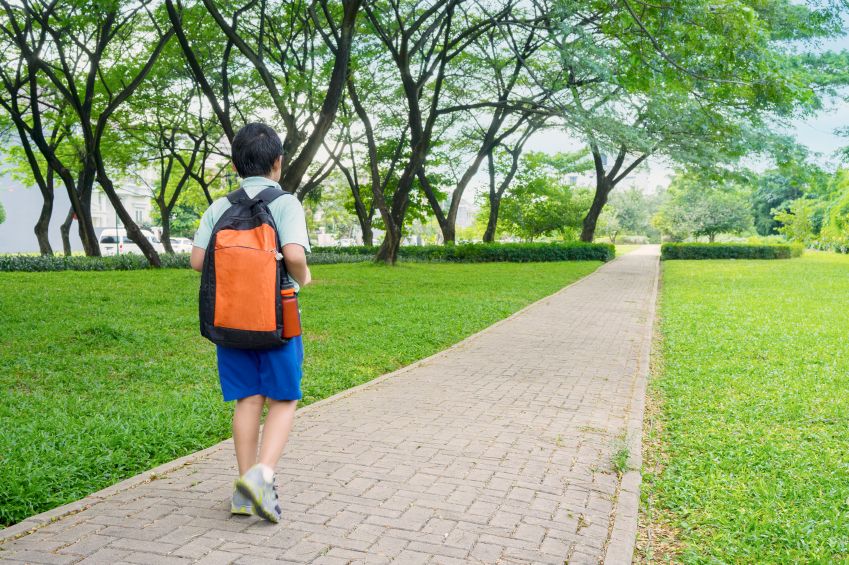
x=291, y=48
x=660, y=81
x=495, y=103
x=166, y=127
x=423, y=45
x=697, y=207
x=835, y=231
x=88, y=56
x=2, y=213
x=24, y=162
x=632, y=210
x=542, y=202
x=775, y=190
x=795, y=220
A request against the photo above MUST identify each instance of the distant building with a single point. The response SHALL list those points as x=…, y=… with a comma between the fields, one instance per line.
x=23, y=206
x=466, y=213
x=136, y=200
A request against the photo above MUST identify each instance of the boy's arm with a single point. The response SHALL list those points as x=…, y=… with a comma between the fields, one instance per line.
x=296, y=263
x=196, y=260
x=201, y=240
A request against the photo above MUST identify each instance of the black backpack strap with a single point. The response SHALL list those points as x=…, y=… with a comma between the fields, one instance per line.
x=238, y=195
x=269, y=195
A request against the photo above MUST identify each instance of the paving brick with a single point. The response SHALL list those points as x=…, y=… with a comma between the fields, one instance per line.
x=105, y=556
x=87, y=545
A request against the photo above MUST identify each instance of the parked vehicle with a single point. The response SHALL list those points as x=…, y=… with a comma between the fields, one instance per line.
x=116, y=242
x=181, y=244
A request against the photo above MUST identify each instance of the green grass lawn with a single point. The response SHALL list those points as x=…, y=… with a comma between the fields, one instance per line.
x=105, y=375
x=751, y=429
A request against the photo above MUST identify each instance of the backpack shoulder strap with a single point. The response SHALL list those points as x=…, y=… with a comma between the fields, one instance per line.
x=238, y=195
x=269, y=195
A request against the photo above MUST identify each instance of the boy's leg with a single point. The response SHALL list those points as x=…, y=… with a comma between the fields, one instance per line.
x=246, y=418
x=275, y=432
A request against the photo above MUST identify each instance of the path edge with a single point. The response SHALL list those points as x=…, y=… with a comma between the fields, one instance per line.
x=33, y=523
x=623, y=536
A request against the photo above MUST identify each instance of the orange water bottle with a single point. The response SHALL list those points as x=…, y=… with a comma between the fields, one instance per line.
x=291, y=317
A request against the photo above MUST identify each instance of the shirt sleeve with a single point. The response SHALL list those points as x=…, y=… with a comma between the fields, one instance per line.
x=204, y=229
x=291, y=223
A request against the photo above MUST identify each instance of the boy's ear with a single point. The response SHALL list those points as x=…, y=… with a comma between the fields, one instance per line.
x=233, y=166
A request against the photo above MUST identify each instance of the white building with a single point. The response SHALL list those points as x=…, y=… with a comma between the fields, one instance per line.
x=136, y=200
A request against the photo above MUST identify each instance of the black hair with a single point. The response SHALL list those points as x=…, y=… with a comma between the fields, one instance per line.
x=254, y=150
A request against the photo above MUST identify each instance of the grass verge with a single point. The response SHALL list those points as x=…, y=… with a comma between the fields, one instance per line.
x=751, y=405
x=105, y=375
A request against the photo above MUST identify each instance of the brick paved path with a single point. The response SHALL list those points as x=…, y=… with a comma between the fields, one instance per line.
x=499, y=450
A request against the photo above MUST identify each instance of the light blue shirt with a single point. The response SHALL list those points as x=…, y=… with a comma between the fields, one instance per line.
x=287, y=211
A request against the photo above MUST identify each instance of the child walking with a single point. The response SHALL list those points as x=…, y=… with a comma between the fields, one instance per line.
x=257, y=375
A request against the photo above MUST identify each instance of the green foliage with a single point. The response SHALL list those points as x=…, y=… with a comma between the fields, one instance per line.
x=620, y=459
x=753, y=389
x=134, y=262
x=105, y=375
x=464, y=253
x=185, y=218
x=795, y=222
x=541, y=202
x=629, y=212
x=2, y=213
x=697, y=206
x=490, y=252
x=728, y=251
x=835, y=233
x=775, y=191
x=125, y=262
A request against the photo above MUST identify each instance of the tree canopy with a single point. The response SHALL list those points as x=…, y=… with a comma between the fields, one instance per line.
x=428, y=99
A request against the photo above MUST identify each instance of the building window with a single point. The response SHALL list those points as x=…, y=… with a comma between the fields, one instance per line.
x=138, y=215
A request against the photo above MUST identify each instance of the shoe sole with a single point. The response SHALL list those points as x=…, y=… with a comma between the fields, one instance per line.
x=246, y=490
x=241, y=511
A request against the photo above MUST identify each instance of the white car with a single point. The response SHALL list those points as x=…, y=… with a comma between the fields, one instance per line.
x=116, y=242
x=181, y=244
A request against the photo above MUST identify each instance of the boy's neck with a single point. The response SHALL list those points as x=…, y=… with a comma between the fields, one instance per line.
x=266, y=177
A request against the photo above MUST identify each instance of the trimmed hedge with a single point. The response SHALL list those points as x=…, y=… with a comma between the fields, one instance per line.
x=130, y=262
x=729, y=251
x=490, y=252
x=126, y=262
x=467, y=253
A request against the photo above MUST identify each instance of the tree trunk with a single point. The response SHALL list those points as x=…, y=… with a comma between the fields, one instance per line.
x=591, y=219
x=88, y=237
x=492, y=222
x=368, y=236
x=388, y=252
x=711, y=237
x=165, y=214
x=65, y=230
x=449, y=232
x=43, y=224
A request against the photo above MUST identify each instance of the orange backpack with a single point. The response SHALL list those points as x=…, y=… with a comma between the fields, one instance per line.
x=243, y=276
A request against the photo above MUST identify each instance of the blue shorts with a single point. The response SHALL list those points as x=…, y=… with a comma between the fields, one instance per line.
x=274, y=373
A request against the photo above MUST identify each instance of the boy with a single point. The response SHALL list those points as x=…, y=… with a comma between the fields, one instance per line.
x=255, y=377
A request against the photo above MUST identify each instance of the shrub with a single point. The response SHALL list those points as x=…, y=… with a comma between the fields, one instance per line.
x=128, y=262
x=468, y=253
x=490, y=252
x=729, y=251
